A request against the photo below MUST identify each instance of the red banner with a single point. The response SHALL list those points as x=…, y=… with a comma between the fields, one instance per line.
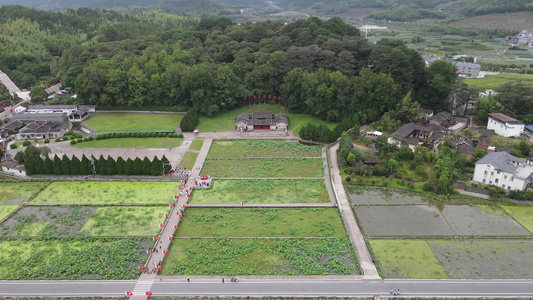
x=129, y=294
x=176, y=227
x=158, y=266
x=149, y=252
x=156, y=238
x=148, y=293
x=170, y=238
x=165, y=252
x=142, y=267
x=166, y=215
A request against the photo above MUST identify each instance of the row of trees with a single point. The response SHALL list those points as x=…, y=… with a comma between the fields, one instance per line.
x=36, y=165
x=323, y=68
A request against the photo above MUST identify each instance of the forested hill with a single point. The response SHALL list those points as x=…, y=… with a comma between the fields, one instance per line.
x=62, y=5
x=323, y=68
x=195, y=8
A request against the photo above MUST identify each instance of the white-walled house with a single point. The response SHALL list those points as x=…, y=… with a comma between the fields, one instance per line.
x=503, y=170
x=504, y=125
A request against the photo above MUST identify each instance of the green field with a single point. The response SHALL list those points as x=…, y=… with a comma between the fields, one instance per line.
x=261, y=222
x=263, y=191
x=72, y=258
x=522, y=214
x=188, y=160
x=119, y=121
x=223, y=256
x=226, y=121
x=272, y=168
x=5, y=210
x=261, y=148
x=196, y=144
x=495, y=81
x=125, y=221
x=109, y=193
x=406, y=259
x=18, y=192
x=131, y=143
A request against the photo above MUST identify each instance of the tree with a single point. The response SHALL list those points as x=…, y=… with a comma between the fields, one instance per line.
x=86, y=167
x=38, y=95
x=137, y=166
x=382, y=145
x=75, y=166
x=110, y=166
x=128, y=167
x=461, y=95
x=120, y=166
x=392, y=164
x=57, y=165
x=65, y=165
x=48, y=166
x=19, y=156
x=436, y=94
x=157, y=167
x=486, y=106
x=351, y=159
x=146, y=166
x=166, y=164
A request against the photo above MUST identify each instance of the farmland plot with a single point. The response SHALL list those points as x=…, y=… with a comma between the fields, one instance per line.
x=18, y=192
x=268, y=168
x=263, y=191
x=261, y=148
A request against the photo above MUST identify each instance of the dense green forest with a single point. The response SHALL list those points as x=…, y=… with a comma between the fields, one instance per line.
x=323, y=68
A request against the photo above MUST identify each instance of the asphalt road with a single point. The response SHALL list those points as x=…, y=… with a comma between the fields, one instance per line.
x=281, y=287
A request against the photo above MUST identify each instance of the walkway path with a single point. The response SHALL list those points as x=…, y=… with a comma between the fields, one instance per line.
x=143, y=284
x=328, y=175
x=354, y=232
x=271, y=205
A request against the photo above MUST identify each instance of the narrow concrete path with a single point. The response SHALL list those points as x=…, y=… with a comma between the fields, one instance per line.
x=328, y=175
x=259, y=205
x=147, y=278
x=354, y=232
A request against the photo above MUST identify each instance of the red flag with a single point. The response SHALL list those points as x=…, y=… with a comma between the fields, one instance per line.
x=279, y=97
x=148, y=293
x=188, y=196
x=176, y=227
x=149, y=252
x=171, y=205
x=142, y=267
x=158, y=266
x=184, y=206
x=180, y=215
x=269, y=96
x=166, y=215
x=275, y=97
x=244, y=99
x=161, y=225
x=156, y=238
x=254, y=96
x=165, y=252
x=249, y=97
x=129, y=294
x=176, y=197
x=170, y=238
x=264, y=96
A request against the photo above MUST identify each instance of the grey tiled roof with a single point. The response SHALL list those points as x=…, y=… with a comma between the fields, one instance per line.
x=502, y=161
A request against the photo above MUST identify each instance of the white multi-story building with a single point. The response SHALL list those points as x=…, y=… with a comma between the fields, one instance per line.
x=504, y=125
x=503, y=170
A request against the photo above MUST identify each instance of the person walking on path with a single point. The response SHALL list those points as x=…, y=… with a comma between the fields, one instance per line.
x=222, y=280
x=188, y=279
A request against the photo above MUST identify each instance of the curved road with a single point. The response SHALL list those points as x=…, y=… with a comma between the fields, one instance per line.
x=282, y=287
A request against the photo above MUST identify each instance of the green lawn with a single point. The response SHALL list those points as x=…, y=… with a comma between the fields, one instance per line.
x=130, y=142
x=5, y=210
x=18, y=192
x=231, y=257
x=196, y=144
x=263, y=191
x=108, y=193
x=188, y=160
x=226, y=121
x=274, y=168
x=72, y=258
x=125, y=221
x=261, y=222
x=118, y=121
x=406, y=259
x=261, y=148
x=495, y=81
x=522, y=214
